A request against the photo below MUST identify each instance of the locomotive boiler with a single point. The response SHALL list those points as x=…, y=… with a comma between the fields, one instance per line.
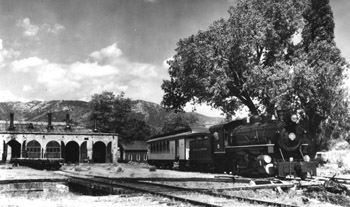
x=261, y=146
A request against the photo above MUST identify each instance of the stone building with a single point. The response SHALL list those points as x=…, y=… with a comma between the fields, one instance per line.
x=59, y=140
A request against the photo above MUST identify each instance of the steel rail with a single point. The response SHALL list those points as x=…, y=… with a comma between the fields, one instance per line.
x=132, y=184
x=146, y=189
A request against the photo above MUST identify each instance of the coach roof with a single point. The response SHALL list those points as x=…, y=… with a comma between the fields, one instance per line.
x=180, y=133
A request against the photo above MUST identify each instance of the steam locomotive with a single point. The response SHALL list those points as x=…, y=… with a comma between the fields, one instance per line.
x=258, y=146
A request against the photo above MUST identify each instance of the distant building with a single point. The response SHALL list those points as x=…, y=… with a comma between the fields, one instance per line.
x=56, y=140
x=135, y=151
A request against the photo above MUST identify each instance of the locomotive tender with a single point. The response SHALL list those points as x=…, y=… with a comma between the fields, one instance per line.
x=261, y=146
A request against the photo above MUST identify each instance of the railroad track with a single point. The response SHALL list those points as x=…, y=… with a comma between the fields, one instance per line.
x=193, y=196
x=339, y=180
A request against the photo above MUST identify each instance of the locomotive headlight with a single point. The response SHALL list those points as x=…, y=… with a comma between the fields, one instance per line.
x=292, y=136
x=267, y=158
x=294, y=118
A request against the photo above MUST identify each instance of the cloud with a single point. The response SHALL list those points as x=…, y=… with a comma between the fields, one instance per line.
x=55, y=29
x=27, y=88
x=80, y=70
x=6, y=55
x=30, y=29
x=6, y=95
x=103, y=70
x=108, y=55
x=27, y=64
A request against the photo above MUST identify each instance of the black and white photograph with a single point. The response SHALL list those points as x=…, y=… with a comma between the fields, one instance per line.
x=174, y=103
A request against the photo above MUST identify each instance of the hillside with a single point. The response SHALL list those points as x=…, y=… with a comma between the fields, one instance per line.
x=153, y=114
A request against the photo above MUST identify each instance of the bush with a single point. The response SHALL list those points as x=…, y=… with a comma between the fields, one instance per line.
x=340, y=162
x=119, y=169
x=152, y=169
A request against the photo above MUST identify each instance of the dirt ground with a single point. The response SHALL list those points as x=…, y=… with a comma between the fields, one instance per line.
x=142, y=170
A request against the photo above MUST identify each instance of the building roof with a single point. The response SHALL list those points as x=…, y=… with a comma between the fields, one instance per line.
x=25, y=127
x=134, y=146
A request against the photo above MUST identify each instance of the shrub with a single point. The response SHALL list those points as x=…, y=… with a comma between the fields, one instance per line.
x=119, y=169
x=152, y=169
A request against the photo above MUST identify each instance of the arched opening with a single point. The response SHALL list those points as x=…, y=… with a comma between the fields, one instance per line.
x=109, y=153
x=83, y=152
x=33, y=149
x=53, y=150
x=99, y=152
x=15, y=149
x=72, y=152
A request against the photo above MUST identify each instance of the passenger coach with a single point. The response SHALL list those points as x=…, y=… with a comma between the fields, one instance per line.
x=166, y=149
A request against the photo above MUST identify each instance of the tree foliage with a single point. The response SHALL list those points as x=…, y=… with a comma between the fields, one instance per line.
x=311, y=80
x=275, y=54
x=113, y=114
x=214, y=66
x=177, y=121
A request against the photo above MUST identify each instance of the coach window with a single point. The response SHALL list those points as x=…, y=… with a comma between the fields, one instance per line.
x=130, y=157
x=138, y=157
x=144, y=157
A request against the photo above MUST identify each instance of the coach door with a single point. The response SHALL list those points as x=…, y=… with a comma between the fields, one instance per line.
x=219, y=142
x=177, y=150
x=182, y=149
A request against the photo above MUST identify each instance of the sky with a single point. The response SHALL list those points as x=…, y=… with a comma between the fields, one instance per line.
x=72, y=49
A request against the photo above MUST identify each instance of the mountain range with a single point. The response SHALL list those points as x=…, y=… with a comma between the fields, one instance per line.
x=36, y=111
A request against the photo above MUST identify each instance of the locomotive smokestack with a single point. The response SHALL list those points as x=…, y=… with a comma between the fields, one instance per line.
x=67, y=119
x=49, y=121
x=12, y=126
x=95, y=123
x=67, y=122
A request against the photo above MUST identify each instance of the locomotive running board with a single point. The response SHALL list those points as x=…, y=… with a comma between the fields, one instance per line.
x=249, y=146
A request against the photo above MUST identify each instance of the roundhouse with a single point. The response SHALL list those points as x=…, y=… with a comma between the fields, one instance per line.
x=74, y=144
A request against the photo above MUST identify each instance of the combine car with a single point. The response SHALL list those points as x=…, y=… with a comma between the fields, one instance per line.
x=173, y=149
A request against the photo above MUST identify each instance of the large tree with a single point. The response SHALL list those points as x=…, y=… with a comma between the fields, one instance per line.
x=113, y=114
x=312, y=80
x=274, y=54
x=214, y=66
x=178, y=121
